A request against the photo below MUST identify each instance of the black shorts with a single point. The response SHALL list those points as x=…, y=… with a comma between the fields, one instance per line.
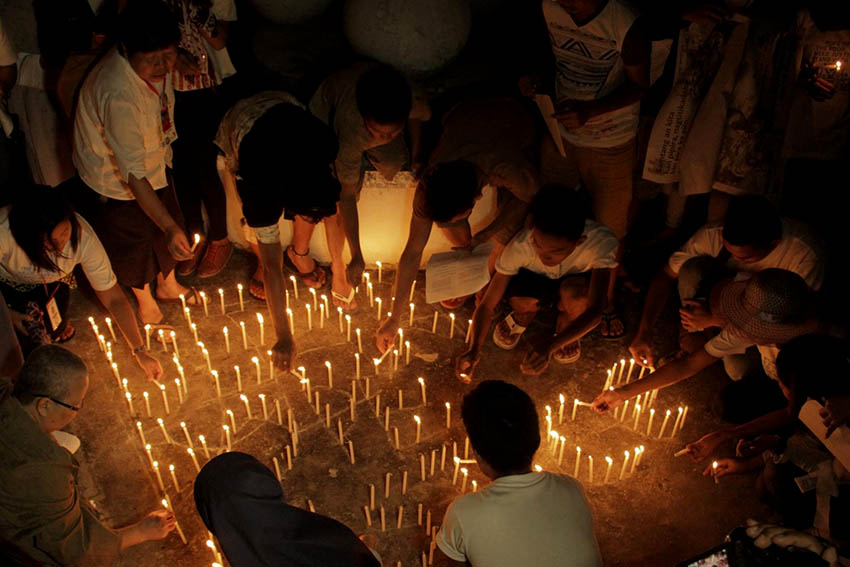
x=545, y=290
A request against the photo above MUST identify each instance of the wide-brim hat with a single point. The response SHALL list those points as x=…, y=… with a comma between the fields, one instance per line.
x=772, y=307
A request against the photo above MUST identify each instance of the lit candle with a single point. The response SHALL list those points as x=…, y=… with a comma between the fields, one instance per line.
x=465, y=477
x=410, y=321
x=576, y=403
x=561, y=450
x=357, y=365
x=173, y=336
x=226, y=338
x=371, y=294
x=714, y=466
x=468, y=332
x=265, y=408
x=380, y=271
x=183, y=301
x=622, y=367
x=561, y=399
x=407, y=353
x=315, y=299
x=194, y=328
x=161, y=334
x=148, y=337
x=244, y=335
x=348, y=328
x=412, y=290
x=158, y=476
x=186, y=433
x=610, y=462
x=244, y=399
x=150, y=455
x=141, y=433
x=637, y=453
x=173, y=478
x=256, y=362
x=162, y=428
x=203, y=441
x=241, y=301
x=678, y=420
x=684, y=417
x=197, y=241
x=590, y=469
x=194, y=459
x=359, y=342
x=227, y=436
x=379, y=301
x=188, y=313
x=262, y=326
x=418, y=421
x=111, y=330
x=147, y=398
x=309, y=317
x=164, y=399
x=664, y=424
x=625, y=464
x=395, y=359
x=422, y=390
x=271, y=364
x=434, y=324
x=330, y=374
x=129, y=397
x=294, y=286
x=637, y=416
x=631, y=368
x=578, y=462
x=322, y=315
x=452, y=328
x=324, y=299
x=649, y=424
x=214, y=374
x=221, y=299
x=291, y=321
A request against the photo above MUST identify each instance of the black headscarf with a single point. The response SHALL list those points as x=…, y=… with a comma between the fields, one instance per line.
x=241, y=502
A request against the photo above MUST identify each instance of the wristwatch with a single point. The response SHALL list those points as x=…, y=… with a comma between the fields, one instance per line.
x=138, y=349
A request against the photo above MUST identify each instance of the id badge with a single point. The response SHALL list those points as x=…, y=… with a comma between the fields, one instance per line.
x=53, y=314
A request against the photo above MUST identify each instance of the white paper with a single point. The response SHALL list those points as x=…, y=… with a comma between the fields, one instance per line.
x=547, y=109
x=838, y=443
x=457, y=273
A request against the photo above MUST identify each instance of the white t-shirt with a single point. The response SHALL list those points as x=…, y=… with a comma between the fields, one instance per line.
x=118, y=129
x=8, y=56
x=598, y=251
x=15, y=265
x=540, y=519
x=590, y=66
x=795, y=252
x=732, y=340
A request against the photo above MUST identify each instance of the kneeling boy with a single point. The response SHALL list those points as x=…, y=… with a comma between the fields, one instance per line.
x=563, y=259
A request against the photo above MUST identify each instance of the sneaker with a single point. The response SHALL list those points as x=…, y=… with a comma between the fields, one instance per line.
x=507, y=333
x=187, y=267
x=216, y=257
x=568, y=353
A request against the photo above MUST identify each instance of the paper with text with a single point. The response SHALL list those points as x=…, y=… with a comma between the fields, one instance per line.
x=457, y=273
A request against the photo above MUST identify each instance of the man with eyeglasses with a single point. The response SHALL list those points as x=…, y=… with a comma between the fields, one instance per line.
x=40, y=508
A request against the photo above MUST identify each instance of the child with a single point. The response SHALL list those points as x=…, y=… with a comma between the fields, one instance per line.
x=523, y=517
x=563, y=259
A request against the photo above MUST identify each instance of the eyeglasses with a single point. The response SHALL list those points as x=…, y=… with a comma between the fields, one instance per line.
x=55, y=401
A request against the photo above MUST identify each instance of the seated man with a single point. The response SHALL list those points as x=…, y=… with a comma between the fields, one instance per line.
x=485, y=141
x=367, y=107
x=563, y=259
x=523, y=517
x=40, y=508
x=752, y=237
x=767, y=311
x=276, y=150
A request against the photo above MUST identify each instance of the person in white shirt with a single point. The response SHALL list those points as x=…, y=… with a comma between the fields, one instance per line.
x=123, y=131
x=563, y=260
x=766, y=311
x=751, y=238
x=42, y=240
x=522, y=518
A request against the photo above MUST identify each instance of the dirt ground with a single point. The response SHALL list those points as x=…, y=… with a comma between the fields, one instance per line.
x=663, y=513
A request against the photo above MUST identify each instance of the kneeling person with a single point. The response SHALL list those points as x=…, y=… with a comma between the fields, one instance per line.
x=523, y=517
x=563, y=259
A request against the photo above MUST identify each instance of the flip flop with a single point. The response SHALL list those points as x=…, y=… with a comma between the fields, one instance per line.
x=253, y=286
x=192, y=300
x=62, y=338
x=454, y=302
x=346, y=301
x=607, y=319
x=568, y=353
x=318, y=273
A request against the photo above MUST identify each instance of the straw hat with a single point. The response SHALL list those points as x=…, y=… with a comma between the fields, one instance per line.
x=772, y=307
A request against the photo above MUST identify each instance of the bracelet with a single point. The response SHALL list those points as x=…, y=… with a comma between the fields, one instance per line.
x=138, y=349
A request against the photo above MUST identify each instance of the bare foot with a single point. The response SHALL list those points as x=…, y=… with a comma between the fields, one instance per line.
x=150, y=315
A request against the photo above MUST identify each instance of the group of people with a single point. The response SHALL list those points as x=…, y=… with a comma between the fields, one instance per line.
x=154, y=111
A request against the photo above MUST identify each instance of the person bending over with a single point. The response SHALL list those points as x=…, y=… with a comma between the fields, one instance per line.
x=41, y=509
x=523, y=517
x=563, y=260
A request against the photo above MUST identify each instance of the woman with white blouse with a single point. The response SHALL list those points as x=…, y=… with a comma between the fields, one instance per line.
x=42, y=240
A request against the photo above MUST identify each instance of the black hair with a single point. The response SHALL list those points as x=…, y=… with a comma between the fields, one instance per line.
x=814, y=366
x=559, y=211
x=36, y=211
x=48, y=371
x=502, y=425
x=383, y=95
x=752, y=220
x=450, y=189
x=147, y=25
x=290, y=149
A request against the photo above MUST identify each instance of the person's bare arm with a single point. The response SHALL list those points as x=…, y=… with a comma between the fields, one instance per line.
x=283, y=352
x=458, y=233
x=656, y=297
x=481, y=321
x=509, y=211
x=672, y=373
x=178, y=244
x=768, y=423
x=119, y=307
x=584, y=323
x=351, y=224
x=417, y=160
x=408, y=266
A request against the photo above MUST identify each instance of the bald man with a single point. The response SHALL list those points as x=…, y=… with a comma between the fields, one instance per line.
x=40, y=509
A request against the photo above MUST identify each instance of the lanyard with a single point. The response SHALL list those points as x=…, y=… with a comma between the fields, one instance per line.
x=164, y=117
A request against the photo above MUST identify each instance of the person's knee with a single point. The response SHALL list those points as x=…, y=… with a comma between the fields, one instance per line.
x=736, y=367
x=524, y=304
x=573, y=296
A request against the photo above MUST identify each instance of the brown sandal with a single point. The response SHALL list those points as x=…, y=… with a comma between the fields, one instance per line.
x=318, y=274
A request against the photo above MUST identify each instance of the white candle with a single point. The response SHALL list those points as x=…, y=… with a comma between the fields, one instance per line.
x=434, y=324
x=205, y=301
x=357, y=365
x=635, y=460
x=714, y=466
x=194, y=328
x=111, y=330
x=339, y=318
x=197, y=240
x=664, y=424
x=265, y=407
x=244, y=335
x=148, y=337
x=371, y=295
x=452, y=328
x=380, y=271
x=262, y=325
x=203, y=441
x=241, y=302
x=256, y=362
x=217, y=383
x=322, y=315
x=174, y=478
x=194, y=459
x=330, y=374
x=649, y=424
x=158, y=476
x=315, y=299
x=227, y=436
x=232, y=420
x=418, y=421
x=309, y=317
x=625, y=464
x=379, y=301
x=147, y=398
x=294, y=286
x=359, y=342
x=164, y=399
x=590, y=469
x=410, y=321
x=610, y=462
x=188, y=313
x=348, y=328
x=291, y=321
x=637, y=416
x=422, y=390
x=226, y=338
x=468, y=332
x=244, y=399
x=678, y=420
x=129, y=397
x=578, y=462
x=221, y=299
x=561, y=450
x=412, y=290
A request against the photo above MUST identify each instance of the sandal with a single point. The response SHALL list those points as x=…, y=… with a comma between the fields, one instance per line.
x=454, y=302
x=507, y=333
x=66, y=335
x=568, y=353
x=192, y=299
x=347, y=303
x=319, y=275
x=605, y=326
x=257, y=289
